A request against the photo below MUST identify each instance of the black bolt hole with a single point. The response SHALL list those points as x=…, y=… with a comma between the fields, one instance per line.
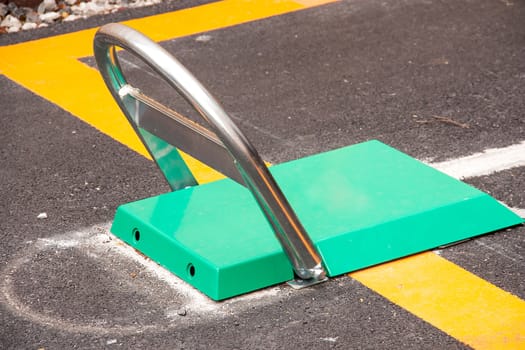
x=136, y=235
x=191, y=270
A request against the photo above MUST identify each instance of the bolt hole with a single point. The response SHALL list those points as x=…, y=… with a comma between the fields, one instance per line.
x=136, y=235
x=191, y=270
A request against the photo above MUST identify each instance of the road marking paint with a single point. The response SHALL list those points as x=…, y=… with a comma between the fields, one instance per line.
x=476, y=313
x=489, y=161
x=99, y=245
x=484, y=163
x=500, y=250
x=27, y=310
x=445, y=295
x=518, y=211
x=50, y=67
x=452, y=299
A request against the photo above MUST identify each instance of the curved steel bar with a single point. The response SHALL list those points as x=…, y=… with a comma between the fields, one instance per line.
x=288, y=229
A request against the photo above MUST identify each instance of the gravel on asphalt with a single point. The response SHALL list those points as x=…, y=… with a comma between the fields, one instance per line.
x=14, y=18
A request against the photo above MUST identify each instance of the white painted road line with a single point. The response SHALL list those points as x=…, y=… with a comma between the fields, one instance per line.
x=100, y=245
x=484, y=163
x=519, y=211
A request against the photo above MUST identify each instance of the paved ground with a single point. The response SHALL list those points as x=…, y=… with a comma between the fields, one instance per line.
x=298, y=83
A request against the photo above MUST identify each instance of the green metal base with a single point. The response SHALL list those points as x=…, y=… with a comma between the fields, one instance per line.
x=361, y=205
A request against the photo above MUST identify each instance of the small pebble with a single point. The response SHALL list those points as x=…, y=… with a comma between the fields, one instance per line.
x=19, y=12
x=42, y=216
x=11, y=6
x=32, y=16
x=13, y=29
x=29, y=25
x=47, y=6
x=49, y=17
x=10, y=21
x=3, y=10
x=71, y=18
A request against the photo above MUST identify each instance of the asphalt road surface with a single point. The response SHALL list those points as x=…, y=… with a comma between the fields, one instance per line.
x=439, y=80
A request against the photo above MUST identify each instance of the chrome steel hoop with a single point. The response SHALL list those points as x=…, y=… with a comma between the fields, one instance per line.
x=143, y=112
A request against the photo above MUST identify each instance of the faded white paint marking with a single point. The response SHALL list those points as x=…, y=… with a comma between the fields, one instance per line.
x=484, y=163
x=330, y=339
x=196, y=300
x=501, y=250
x=100, y=245
x=203, y=38
x=11, y=300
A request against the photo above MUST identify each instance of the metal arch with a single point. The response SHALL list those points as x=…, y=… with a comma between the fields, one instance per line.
x=254, y=174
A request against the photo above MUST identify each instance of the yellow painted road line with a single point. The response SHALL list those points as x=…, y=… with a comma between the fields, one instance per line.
x=50, y=67
x=452, y=299
x=441, y=293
